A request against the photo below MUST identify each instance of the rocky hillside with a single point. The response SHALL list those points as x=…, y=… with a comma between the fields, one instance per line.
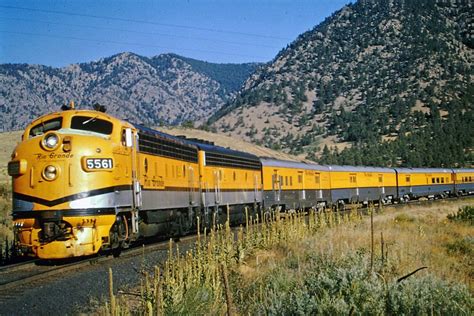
x=167, y=89
x=386, y=82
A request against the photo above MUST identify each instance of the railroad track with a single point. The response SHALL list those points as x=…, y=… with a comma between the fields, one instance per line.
x=15, y=278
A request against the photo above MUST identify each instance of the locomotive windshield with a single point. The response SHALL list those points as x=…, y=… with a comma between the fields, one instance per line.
x=92, y=124
x=46, y=126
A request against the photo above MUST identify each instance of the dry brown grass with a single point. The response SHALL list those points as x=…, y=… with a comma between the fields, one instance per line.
x=414, y=236
x=8, y=141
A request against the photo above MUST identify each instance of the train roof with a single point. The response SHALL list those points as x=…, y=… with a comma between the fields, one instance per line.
x=269, y=162
x=154, y=132
x=360, y=169
x=209, y=148
x=464, y=170
x=424, y=170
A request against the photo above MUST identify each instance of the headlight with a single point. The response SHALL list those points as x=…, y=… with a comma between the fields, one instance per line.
x=50, y=141
x=50, y=173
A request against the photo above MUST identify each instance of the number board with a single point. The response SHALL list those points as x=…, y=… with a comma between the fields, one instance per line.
x=92, y=164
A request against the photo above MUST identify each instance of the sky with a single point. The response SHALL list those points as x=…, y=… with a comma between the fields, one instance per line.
x=61, y=32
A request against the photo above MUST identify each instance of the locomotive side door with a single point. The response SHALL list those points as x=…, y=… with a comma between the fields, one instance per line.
x=191, y=185
x=217, y=185
x=131, y=141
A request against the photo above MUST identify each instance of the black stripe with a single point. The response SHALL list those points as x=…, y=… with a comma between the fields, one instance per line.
x=34, y=199
x=58, y=214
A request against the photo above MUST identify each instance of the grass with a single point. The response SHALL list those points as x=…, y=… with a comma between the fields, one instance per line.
x=322, y=265
x=6, y=229
x=8, y=142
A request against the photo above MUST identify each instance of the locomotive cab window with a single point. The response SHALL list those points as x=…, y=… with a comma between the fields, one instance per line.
x=92, y=124
x=43, y=127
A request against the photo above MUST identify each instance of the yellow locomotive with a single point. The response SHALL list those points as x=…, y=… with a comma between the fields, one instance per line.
x=84, y=181
x=73, y=187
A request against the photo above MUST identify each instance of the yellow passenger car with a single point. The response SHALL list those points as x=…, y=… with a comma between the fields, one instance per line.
x=362, y=184
x=464, y=181
x=424, y=182
x=294, y=185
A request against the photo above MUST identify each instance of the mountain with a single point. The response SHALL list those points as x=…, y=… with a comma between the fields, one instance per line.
x=386, y=82
x=167, y=89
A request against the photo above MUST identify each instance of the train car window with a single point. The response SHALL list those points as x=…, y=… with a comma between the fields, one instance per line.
x=291, y=180
x=437, y=180
x=317, y=179
x=470, y=179
x=92, y=124
x=246, y=177
x=49, y=125
x=300, y=178
x=352, y=178
x=184, y=171
x=432, y=180
x=286, y=180
x=442, y=180
x=407, y=179
x=380, y=178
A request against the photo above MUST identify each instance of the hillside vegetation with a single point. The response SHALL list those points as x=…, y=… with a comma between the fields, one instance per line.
x=377, y=83
x=166, y=89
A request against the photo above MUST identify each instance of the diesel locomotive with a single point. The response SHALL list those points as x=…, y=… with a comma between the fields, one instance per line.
x=84, y=181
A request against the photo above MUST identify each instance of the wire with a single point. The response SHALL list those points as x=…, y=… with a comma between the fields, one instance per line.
x=140, y=32
x=144, y=22
x=130, y=43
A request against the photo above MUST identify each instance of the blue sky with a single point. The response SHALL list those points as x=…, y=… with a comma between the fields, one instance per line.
x=61, y=32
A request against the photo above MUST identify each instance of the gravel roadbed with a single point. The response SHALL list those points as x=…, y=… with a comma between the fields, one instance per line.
x=83, y=290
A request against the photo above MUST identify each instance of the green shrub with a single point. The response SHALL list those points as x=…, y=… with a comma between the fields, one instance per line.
x=464, y=214
x=339, y=287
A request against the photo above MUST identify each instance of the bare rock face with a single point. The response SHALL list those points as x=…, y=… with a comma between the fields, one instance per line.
x=375, y=72
x=166, y=89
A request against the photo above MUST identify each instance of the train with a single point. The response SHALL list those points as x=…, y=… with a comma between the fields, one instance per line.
x=85, y=182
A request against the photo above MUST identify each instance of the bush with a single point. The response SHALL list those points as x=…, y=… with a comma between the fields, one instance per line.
x=339, y=287
x=464, y=214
